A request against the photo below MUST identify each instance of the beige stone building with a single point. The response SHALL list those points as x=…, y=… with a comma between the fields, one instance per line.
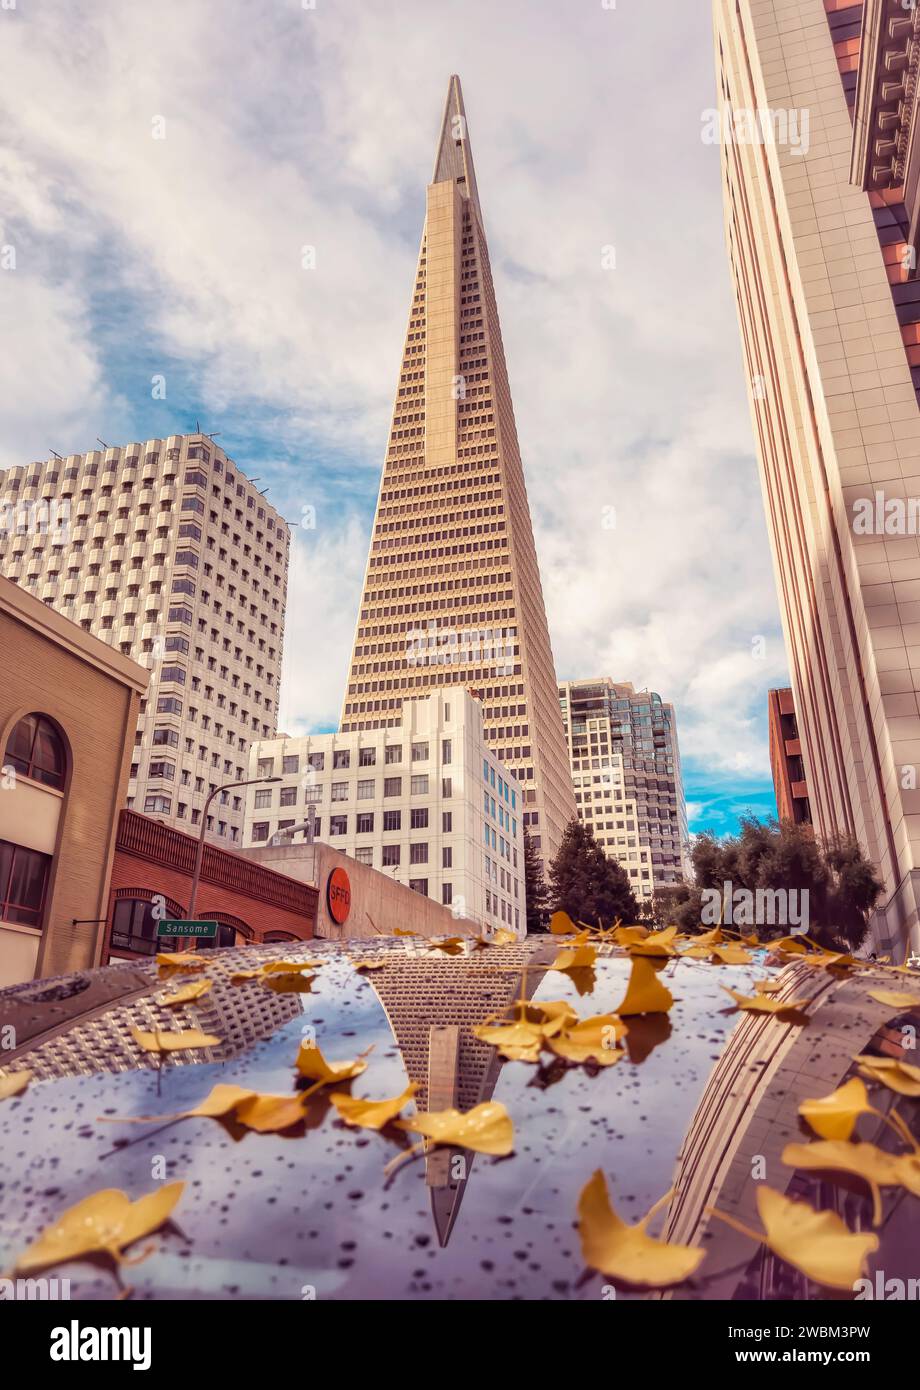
x=628, y=785
x=817, y=107
x=68, y=710
x=452, y=594
x=170, y=554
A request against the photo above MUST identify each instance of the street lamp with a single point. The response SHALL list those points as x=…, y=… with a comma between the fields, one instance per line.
x=199, y=852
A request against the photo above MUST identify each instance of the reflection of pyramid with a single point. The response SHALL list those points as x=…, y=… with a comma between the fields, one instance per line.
x=432, y=1005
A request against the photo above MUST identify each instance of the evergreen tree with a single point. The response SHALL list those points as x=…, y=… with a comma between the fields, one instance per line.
x=536, y=893
x=586, y=884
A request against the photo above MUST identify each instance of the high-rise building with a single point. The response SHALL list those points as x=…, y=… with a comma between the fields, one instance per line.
x=789, y=781
x=452, y=593
x=628, y=786
x=166, y=551
x=425, y=802
x=817, y=113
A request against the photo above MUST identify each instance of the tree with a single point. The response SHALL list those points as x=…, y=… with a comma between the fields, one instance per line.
x=536, y=893
x=835, y=880
x=586, y=884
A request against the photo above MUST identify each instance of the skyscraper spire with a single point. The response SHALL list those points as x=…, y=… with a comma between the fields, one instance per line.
x=452, y=593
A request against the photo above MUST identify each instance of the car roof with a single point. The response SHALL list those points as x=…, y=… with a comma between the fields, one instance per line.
x=701, y=1094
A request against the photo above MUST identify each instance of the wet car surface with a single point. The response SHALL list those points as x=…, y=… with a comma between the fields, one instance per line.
x=310, y=1212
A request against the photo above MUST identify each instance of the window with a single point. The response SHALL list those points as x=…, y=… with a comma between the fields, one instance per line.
x=172, y=673
x=365, y=824
x=342, y=758
x=367, y=757
x=447, y=857
x=366, y=789
x=390, y=855
x=340, y=791
x=392, y=820
x=420, y=752
x=420, y=785
x=168, y=736
x=260, y=830
x=168, y=704
x=288, y=796
x=290, y=762
x=338, y=825
x=167, y=770
x=447, y=893
x=418, y=818
x=365, y=855
x=263, y=799
x=266, y=767
x=23, y=880
x=393, y=753
x=36, y=750
x=313, y=794
x=418, y=853
x=392, y=786
x=446, y=751
x=317, y=761
x=419, y=885
x=447, y=787
x=158, y=805
x=134, y=927
x=447, y=821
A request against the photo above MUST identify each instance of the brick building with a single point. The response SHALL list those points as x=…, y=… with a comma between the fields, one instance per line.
x=251, y=903
x=789, y=782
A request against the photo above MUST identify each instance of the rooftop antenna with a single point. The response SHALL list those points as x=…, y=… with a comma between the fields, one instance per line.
x=102, y=442
x=55, y=452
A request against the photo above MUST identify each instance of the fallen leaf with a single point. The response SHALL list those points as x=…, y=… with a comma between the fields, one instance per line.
x=835, y=1116
x=575, y=958
x=14, y=1083
x=732, y=953
x=107, y=1222
x=193, y=990
x=628, y=936
x=271, y=1114
x=759, y=1004
x=628, y=1253
x=369, y=964
x=291, y=982
x=818, y=1243
x=561, y=924
x=645, y=994
x=894, y=998
x=876, y=1167
x=659, y=943
x=241, y=975
x=790, y=945
x=160, y=1041
x=889, y=1071
x=370, y=1114
x=288, y=967
x=519, y=1041
x=767, y=986
x=485, y=1129
x=450, y=945
x=591, y=1039
x=312, y=1064
x=179, y=960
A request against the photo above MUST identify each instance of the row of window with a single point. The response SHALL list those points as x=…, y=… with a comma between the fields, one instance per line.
x=341, y=758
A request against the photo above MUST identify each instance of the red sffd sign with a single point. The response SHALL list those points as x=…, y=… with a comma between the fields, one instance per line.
x=338, y=895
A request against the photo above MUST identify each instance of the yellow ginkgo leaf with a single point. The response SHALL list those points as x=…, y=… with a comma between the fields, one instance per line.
x=105, y=1222
x=894, y=998
x=889, y=1071
x=486, y=1129
x=290, y=982
x=370, y=1114
x=179, y=960
x=503, y=937
x=240, y=976
x=732, y=953
x=709, y=938
x=627, y=1253
x=817, y=1243
x=790, y=945
x=312, y=1064
x=160, y=1041
x=561, y=924
x=835, y=1116
x=767, y=986
x=760, y=1004
x=271, y=1114
x=369, y=964
x=876, y=1167
x=193, y=990
x=645, y=994
x=575, y=958
x=519, y=1042
x=629, y=936
x=288, y=967
x=658, y=943
x=591, y=1039
x=14, y=1083
x=450, y=945
x=402, y=931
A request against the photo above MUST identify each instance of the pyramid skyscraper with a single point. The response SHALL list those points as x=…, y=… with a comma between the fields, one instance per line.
x=452, y=593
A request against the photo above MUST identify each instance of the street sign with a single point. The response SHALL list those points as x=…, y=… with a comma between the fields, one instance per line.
x=172, y=928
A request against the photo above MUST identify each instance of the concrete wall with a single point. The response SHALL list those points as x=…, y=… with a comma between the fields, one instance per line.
x=375, y=898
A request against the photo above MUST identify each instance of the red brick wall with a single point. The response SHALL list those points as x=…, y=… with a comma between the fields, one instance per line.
x=142, y=850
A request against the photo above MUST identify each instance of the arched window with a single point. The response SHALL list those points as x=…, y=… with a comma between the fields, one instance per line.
x=231, y=931
x=134, y=927
x=36, y=749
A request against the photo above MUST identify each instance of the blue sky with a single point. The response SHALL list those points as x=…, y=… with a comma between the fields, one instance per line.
x=284, y=128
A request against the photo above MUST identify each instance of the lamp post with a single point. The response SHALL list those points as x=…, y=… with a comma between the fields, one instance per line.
x=199, y=852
